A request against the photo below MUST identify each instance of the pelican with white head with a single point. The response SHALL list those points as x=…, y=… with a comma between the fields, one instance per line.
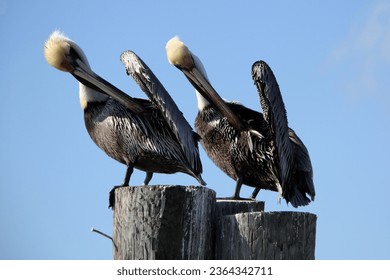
x=150, y=135
x=255, y=149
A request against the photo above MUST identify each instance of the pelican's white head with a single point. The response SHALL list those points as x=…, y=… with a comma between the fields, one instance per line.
x=178, y=54
x=58, y=49
x=191, y=66
x=65, y=55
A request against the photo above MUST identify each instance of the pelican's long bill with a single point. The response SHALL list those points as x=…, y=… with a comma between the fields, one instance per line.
x=180, y=56
x=84, y=74
x=203, y=86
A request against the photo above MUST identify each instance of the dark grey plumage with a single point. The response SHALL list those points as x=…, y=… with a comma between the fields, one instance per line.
x=146, y=140
x=143, y=141
x=243, y=156
x=275, y=160
x=148, y=82
x=295, y=169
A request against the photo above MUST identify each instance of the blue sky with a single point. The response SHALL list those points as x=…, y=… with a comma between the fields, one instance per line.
x=332, y=62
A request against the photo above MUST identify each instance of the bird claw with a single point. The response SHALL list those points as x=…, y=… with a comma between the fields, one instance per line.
x=111, y=197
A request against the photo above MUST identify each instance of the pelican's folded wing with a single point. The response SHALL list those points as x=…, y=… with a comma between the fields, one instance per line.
x=156, y=92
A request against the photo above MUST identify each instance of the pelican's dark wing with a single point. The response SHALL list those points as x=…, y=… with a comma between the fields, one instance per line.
x=294, y=162
x=303, y=164
x=156, y=92
x=275, y=114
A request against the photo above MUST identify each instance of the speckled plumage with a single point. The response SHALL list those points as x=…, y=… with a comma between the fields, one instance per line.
x=141, y=140
x=229, y=148
x=255, y=149
x=150, y=135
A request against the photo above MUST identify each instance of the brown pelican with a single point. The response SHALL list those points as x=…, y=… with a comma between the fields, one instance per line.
x=152, y=136
x=255, y=149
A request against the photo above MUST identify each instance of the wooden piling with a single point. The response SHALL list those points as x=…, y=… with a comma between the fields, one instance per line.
x=266, y=236
x=177, y=222
x=226, y=207
x=163, y=222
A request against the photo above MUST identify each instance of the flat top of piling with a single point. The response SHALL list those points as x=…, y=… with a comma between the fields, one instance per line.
x=230, y=207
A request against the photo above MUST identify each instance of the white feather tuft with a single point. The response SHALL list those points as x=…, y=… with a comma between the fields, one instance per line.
x=178, y=53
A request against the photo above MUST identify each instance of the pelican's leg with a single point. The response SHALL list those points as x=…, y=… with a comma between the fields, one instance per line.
x=129, y=171
x=111, y=197
x=238, y=188
x=236, y=195
x=255, y=193
x=148, y=177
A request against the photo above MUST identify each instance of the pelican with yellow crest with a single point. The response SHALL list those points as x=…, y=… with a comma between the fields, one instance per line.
x=255, y=149
x=147, y=134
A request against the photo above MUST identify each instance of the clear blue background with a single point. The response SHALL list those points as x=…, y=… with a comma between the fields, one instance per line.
x=331, y=59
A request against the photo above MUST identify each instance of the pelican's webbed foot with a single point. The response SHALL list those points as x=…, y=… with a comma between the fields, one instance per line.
x=126, y=181
x=111, y=197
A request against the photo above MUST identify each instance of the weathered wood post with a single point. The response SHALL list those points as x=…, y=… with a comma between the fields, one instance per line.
x=226, y=207
x=177, y=222
x=263, y=235
x=163, y=222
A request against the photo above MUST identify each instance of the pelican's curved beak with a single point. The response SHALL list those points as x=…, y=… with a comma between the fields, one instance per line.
x=179, y=55
x=203, y=86
x=85, y=75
